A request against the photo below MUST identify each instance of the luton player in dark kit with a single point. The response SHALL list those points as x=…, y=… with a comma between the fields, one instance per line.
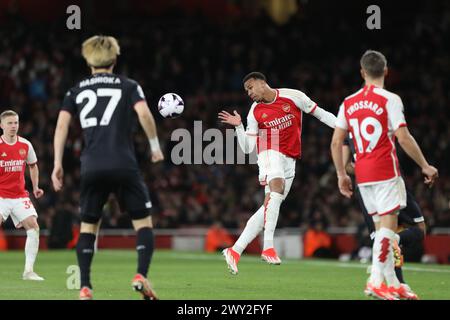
x=108, y=107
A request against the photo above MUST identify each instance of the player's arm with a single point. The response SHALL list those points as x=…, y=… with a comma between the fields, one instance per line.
x=59, y=141
x=337, y=142
x=397, y=122
x=34, y=172
x=147, y=122
x=34, y=176
x=246, y=139
x=324, y=116
x=304, y=103
x=412, y=149
x=346, y=157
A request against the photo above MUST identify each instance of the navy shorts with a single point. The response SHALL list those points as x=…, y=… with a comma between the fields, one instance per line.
x=128, y=186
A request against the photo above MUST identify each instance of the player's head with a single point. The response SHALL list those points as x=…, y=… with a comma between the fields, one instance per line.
x=255, y=84
x=9, y=122
x=100, y=52
x=373, y=65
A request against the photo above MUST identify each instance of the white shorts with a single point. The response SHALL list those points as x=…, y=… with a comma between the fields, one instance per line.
x=384, y=198
x=273, y=164
x=19, y=209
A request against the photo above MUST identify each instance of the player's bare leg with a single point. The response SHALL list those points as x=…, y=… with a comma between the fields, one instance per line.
x=144, y=248
x=272, y=210
x=31, y=248
x=85, y=254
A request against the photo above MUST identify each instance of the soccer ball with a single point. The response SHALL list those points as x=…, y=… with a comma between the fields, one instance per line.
x=170, y=105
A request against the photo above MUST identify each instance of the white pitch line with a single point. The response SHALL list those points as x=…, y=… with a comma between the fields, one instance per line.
x=362, y=266
x=189, y=256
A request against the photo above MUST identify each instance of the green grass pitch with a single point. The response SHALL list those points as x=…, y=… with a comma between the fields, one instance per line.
x=193, y=275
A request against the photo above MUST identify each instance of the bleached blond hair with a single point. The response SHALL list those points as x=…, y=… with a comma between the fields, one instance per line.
x=100, y=51
x=8, y=113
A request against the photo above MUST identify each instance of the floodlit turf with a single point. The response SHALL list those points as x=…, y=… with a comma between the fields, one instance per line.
x=188, y=275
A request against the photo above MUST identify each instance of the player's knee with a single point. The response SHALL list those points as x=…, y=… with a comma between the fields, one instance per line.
x=277, y=185
x=88, y=227
x=142, y=223
x=30, y=223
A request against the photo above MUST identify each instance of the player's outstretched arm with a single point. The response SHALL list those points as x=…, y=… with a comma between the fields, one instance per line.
x=324, y=116
x=246, y=140
x=34, y=176
x=147, y=122
x=59, y=140
x=412, y=149
x=344, y=181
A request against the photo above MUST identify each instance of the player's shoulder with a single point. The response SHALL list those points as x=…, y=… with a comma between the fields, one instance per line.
x=127, y=81
x=291, y=93
x=354, y=95
x=252, y=108
x=22, y=140
x=390, y=96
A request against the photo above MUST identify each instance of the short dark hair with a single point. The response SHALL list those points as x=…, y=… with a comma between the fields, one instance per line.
x=374, y=63
x=254, y=75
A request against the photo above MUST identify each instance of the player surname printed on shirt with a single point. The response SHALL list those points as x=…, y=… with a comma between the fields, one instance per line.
x=13, y=159
x=372, y=115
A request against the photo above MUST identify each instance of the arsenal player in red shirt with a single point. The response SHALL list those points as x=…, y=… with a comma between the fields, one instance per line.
x=15, y=153
x=374, y=117
x=274, y=126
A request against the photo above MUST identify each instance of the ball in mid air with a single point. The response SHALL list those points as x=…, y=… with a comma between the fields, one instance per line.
x=170, y=105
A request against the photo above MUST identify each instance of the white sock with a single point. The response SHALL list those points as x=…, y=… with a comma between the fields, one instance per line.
x=272, y=212
x=389, y=271
x=383, y=259
x=31, y=248
x=254, y=226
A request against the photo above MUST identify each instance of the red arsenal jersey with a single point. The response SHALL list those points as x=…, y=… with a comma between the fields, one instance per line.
x=278, y=124
x=13, y=160
x=372, y=115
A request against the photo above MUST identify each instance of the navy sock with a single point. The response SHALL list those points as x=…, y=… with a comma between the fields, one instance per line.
x=411, y=236
x=144, y=248
x=399, y=274
x=85, y=253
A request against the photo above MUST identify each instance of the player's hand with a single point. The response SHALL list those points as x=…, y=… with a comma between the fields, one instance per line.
x=431, y=174
x=345, y=186
x=38, y=193
x=57, y=177
x=157, y=156
x=228, y=118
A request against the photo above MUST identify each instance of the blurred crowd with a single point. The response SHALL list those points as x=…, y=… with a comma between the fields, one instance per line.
x=205, y=62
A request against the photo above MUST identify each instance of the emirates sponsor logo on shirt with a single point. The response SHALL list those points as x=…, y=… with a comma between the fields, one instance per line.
x=12, y=165
x=280, y=123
